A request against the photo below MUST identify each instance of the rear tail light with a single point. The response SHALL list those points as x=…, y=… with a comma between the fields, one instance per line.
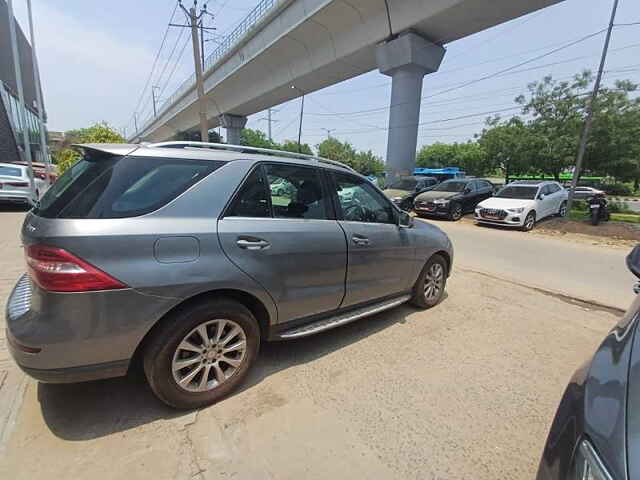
x=17, y=184
x=57, y=270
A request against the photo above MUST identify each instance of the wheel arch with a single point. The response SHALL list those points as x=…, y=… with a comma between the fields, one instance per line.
x=447, y=258
x=255, y=306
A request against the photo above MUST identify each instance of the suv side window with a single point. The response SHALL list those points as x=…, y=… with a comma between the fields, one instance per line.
x=297, y=192
x=361, y=202
x=553, y=188
x=484, y=185
x=251, y=200
x=472, y=186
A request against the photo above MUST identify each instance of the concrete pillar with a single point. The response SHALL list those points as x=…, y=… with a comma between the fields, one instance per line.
x=234, y=124
x=406, y=59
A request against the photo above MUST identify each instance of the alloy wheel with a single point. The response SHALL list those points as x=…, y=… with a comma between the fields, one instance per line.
x=563, y=210
x=529, y=222
x=456, y=212
x=209, y=355
x=433, y=281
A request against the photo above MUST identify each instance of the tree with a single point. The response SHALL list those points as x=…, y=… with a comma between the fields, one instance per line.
x=613, y=148
x=194, y=136
x=256, y=138
x=508, y=146
x=368, y=164
x=437, y=155
x=98, y=133
x=558, y=115
x=291, y=146
x=334, y=149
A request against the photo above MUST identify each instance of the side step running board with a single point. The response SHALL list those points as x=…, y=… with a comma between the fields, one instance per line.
x=342, y=319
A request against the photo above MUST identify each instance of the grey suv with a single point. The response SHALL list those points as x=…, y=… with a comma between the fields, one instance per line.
x=180, y=256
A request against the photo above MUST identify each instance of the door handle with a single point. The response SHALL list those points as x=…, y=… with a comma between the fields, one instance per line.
x=360, y=240
x=252, y=243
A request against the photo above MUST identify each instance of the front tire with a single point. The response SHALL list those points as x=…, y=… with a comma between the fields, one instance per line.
x=430, y=286
x=202, y=353
x=529, y=222
x=455, y=212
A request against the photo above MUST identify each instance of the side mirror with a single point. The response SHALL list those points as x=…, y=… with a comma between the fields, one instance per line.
x=633, y=261
x=467, y=190
x=541, y=196
x=405, y=220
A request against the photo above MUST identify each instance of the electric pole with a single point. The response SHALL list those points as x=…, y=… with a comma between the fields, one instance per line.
x=589, y=109
x=329, y=130
x=193, y=20
x=135, y=121
x=36, y=77
x=301, y=116
x=269, y=120
x=21, y=108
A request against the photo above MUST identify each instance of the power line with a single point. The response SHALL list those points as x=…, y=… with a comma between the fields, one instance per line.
x=155, y=61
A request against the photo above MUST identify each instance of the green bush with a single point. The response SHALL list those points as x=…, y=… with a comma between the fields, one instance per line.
x=580, y=205
x=617, y=207
x=616, y=189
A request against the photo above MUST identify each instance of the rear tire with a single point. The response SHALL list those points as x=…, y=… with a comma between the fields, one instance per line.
x=562, y=211
x=529, y=222
x=595, y=216
x=225, y=357
x=430, y=286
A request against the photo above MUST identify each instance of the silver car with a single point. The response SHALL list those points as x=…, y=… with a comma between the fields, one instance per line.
x=180, y=257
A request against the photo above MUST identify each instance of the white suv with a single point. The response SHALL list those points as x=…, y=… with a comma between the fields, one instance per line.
x=521, y=204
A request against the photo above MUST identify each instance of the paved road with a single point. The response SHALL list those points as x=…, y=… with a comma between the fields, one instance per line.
x=465, y=390
x=590, y=272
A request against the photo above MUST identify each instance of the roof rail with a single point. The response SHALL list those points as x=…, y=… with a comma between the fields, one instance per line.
x=246, y=149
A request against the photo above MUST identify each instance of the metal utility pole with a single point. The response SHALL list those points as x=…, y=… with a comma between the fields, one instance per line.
x=153, y=96
x=269, y=121
x=40, y=103
x=135, y=121
x=329, y=130
x=589, y=110
x=193, y=20
x=301, y=115
x=22, y=108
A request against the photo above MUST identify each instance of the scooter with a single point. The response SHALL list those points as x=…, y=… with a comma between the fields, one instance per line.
x=598, y=205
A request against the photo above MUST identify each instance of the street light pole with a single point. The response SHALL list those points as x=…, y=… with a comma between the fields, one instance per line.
x=153, y=96
x=329, y=130
x=301, y=116
x=22, y=107
x=589, y=109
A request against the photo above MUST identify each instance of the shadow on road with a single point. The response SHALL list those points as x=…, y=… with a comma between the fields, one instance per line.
x=90, y=410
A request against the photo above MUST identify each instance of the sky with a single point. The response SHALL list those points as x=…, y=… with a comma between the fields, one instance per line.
x=95, y=59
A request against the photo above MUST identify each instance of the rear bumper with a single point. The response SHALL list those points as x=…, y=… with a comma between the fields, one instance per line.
x=72, y=337
x=79, y=374
x=10, y=197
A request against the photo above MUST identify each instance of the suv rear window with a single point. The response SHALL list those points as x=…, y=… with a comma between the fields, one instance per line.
x=107, y=186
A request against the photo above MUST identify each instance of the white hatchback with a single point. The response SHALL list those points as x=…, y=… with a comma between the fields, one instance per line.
x=521, y=204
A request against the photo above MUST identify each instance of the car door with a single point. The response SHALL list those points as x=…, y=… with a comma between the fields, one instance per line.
x=290, y=243
x=381, y=256
x=485, y=190
x=558, y=197
x=470, y=196
x=546, y=202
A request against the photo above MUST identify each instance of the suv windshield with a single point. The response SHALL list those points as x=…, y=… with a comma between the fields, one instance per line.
x=518, y=192
x=404, y=184
x=450, y=187
x=111, y=186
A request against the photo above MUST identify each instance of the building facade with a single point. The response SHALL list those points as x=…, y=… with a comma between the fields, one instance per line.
x=11, y=127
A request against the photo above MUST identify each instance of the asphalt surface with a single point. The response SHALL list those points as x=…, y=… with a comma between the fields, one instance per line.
x=576, y=268
x=465, y=390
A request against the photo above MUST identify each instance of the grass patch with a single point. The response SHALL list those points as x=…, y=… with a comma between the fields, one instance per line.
x=581, y=215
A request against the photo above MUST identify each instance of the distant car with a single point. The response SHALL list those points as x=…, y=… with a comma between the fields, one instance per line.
x=521, y=204
x=404, y=190
x=453, y=198
x=14, y=185
x=583, y=193
x=40, y=171
x=595, y=434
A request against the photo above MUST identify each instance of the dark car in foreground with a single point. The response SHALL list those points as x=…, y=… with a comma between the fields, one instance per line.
x=453, y=198
x=181, y=256
x=596, y=431
x=403, y=191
